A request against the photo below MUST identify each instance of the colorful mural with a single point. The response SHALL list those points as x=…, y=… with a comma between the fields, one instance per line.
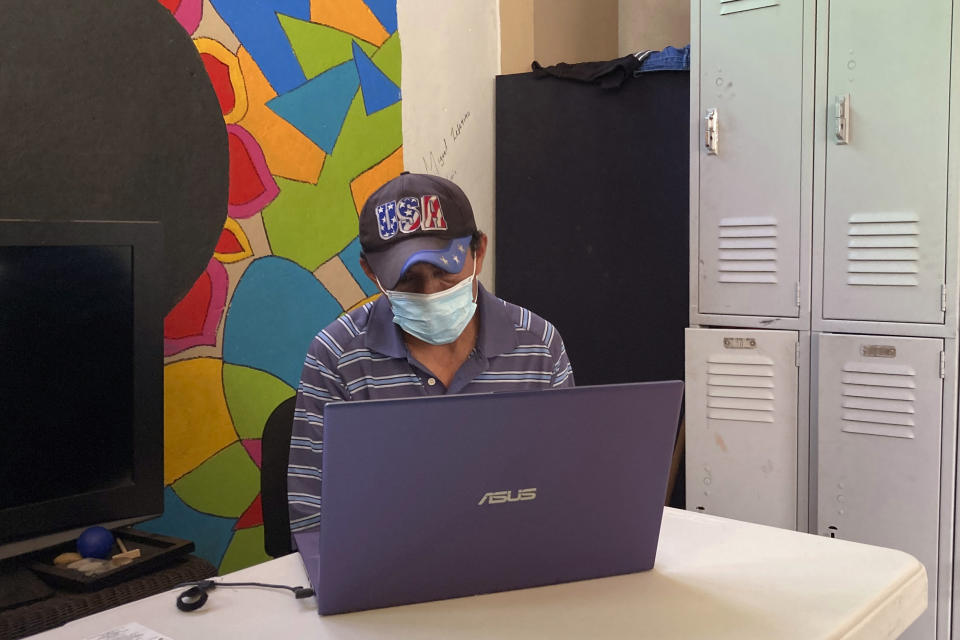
x=309, y=91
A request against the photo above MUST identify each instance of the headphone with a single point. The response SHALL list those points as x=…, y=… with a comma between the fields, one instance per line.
x=196, y=596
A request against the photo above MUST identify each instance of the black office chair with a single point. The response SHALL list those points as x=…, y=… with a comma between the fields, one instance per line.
x=275, y=452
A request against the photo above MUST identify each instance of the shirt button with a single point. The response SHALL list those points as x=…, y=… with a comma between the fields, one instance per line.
x=431, y=381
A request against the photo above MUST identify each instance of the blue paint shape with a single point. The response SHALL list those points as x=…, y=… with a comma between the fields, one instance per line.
x=319, y=107
x=379, y=91
x=255, y=24
x=350, y=255
x=277, y=309
x=386, y=13
x=210, y=534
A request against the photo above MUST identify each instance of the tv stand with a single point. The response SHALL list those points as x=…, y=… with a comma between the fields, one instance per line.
x=64, y=605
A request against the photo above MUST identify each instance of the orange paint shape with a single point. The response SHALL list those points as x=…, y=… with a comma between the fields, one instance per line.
x=289, y=153
x=196, y=420
x=218, y=51
x=373, y=178
x=352, y=16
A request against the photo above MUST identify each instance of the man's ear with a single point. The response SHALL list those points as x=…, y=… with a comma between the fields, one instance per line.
x=481, y=252
x=367, y=270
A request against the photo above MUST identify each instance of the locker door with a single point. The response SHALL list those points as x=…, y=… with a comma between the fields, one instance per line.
x=741, y=424
x=751, y=74
x=878, y=426
x=886, y=188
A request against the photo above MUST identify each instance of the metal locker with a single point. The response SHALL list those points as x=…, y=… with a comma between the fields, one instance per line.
x=885, y=187
x=879, y=417
x=751, y=80
x=742, y=390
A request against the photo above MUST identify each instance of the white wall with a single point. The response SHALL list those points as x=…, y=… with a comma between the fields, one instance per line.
x=451, y=56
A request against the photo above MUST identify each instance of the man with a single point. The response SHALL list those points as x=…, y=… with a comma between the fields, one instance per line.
x=434, y=331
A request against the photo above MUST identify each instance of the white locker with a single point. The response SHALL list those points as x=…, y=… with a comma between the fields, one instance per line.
x=750, y=90
x=878, y=429
x=885, y=186
x=742, y=394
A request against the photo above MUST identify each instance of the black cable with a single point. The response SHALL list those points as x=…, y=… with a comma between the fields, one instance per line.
x=196, y=596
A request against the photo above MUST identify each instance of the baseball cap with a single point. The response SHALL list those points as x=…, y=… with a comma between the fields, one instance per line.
x=415, y=217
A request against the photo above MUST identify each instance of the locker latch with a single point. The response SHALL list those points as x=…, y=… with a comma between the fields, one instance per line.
x=842, y=119
x=711, y=132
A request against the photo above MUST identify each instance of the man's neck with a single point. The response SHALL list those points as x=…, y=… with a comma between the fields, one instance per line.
x=444, y=360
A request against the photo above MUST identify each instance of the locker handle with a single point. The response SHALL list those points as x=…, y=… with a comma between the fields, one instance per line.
x=842, y=119
x=711, y=132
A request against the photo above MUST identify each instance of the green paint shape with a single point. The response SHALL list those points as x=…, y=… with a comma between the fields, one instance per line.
x=245, y=550
x=310, y=224
x=387, y=58
x=252, y=395
x=319, y=47
x=224, y=485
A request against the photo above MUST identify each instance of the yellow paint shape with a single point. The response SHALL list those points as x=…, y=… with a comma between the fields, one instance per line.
x=213, y=48
x=364, y=301
x=289, y=153
x=233, y=227
x=351, y=16
x=373, y=178
x=338, y=280
x=197, y=423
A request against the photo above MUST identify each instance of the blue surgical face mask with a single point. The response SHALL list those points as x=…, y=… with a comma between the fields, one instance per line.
x=436, y=318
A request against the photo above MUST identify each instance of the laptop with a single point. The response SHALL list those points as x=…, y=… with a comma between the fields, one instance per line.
x=441, y=497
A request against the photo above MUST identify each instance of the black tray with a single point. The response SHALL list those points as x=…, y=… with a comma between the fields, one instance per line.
x=156, y=551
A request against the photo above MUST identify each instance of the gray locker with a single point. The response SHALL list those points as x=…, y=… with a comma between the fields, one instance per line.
x=878, y=427
x=742, y=393
x=751, y=80
x=885, y=201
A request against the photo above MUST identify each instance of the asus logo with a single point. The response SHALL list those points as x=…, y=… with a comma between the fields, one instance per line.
x=499, y=497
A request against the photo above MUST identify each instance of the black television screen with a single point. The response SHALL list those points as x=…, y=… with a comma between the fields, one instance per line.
x=81, y=429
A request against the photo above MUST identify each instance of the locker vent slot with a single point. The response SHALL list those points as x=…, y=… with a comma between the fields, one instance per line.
x=883, y=249
x=736, y=6
x=740, y=387
x=748, y=250
x=878, y=399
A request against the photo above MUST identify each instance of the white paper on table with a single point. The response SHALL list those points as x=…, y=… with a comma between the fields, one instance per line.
x=130, y=631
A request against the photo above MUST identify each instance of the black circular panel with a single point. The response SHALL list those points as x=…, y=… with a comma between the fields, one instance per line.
x=106, y=113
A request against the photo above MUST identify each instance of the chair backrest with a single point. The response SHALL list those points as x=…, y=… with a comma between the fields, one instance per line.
x=275, y=455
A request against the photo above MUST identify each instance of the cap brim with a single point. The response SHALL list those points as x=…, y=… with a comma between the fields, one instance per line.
x=447, y=254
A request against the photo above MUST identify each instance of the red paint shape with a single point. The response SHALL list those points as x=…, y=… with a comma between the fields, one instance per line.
x=251, y=185
x=252, y=517
x=181, y=333
x=254, y=449
x=219, y=74
x=245, y=182
x=228, y=243
x=171, y=5
x=188, y=317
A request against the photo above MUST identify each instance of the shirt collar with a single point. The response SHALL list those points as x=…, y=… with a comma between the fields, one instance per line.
x=497, y=335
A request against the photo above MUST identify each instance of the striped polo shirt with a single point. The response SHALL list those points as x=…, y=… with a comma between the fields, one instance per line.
x=362, y=356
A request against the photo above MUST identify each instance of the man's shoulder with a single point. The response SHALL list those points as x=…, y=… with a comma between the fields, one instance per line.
x=344, y=334
x=527, y=323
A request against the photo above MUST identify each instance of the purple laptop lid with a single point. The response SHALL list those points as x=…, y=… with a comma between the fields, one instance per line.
x=433, y=498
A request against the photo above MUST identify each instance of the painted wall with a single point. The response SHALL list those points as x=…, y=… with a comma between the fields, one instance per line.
x=574, y=30
x=552, y=31
x=653, y=24
x=516, y=36
x=309, y=91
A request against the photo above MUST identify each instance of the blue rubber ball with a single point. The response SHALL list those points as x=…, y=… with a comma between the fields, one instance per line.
x=95, y=542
